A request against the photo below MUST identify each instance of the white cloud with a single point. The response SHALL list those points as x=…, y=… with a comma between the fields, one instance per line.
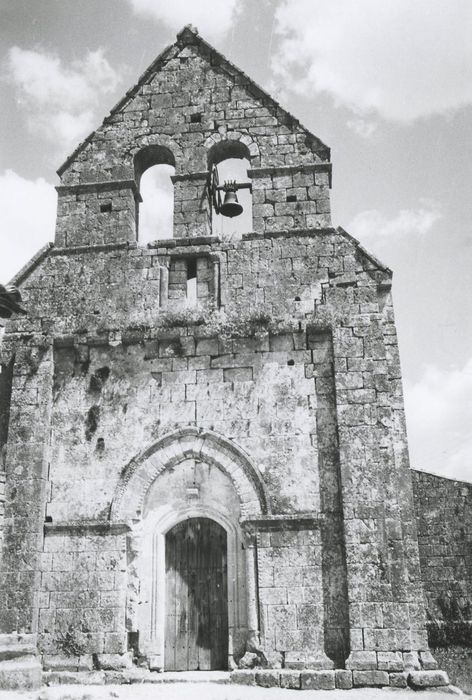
x=439, y=416
x=27, y=218
x=213, y=19
x=362, y=127
x=398, y=59
x=59, y=100
x=373, y=226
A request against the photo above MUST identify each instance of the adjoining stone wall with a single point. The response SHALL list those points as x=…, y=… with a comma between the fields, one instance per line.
x=444, y=516
x=83, y=589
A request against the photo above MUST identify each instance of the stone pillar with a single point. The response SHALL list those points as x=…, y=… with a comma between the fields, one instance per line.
x=97, y=213
x=192, y=214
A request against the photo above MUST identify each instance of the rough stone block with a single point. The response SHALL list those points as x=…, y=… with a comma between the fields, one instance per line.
x=243, y=677
x=427, y=679
x=411, y=661
x=398, y=680
x=114, y=662
x=318, y=680
x=24, y=673
x=268, y=678
x=370, y=678
x=390, y=661
x=428, y=661
x=362, y=661
x=343, y=679
x=290, y=679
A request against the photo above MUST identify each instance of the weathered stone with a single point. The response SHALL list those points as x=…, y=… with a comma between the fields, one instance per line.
x=362, y=660
x=290, y=679
x=398, y=680
x=390, y=661
x=20, y=674
x=411, y=661
x=343, y=679
x=267, y=678
x=370, y=678
x=428, y=662
x=317, y=680
x=114, y=662
x=243, y=677
x=427, y=679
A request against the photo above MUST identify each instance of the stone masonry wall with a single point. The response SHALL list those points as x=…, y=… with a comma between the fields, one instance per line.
x=123, y=377
x=444, y=516
x=291, y=355
x=156, y=123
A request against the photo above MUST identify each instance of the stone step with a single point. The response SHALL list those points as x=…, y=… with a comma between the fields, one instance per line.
x=20, y=674
x=133, y=676
x=16, y=651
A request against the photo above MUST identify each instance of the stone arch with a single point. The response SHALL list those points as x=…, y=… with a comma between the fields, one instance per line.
x=147, y=156
x=183, y=444
x=233, y=144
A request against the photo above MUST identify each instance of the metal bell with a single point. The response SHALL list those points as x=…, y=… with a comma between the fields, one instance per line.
x=231, y=207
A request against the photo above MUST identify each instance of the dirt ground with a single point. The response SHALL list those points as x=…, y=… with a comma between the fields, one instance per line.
x=210, y=691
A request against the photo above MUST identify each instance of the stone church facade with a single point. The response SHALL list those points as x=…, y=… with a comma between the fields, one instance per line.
x=216, y=483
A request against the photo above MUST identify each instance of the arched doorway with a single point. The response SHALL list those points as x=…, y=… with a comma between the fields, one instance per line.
x=196, y=617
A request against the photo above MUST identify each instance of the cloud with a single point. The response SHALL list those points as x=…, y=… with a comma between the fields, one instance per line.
x=373, y=226
x=27, y=218
x=362, y=127
x=59, y=100
x=398, y=59
x=213, y=19
x=438, y=411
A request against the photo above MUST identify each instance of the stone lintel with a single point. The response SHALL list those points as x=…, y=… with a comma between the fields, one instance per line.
x=83, y=527
x=184, y=177
x=291, y=521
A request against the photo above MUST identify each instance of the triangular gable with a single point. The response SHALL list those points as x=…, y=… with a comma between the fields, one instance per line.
x=186, y=37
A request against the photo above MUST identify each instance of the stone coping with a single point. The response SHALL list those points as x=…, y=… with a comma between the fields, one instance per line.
x=102, y=186
x=80, y=527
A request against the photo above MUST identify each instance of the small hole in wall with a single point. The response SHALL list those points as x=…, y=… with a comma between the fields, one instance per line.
x=195, y=118
x=48, y=519
x=297, y=299
x=100, y=446
x=105, y=208
x=291, y=198
x=290, y=363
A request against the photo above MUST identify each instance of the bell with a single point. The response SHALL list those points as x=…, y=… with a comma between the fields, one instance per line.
x=231, y=207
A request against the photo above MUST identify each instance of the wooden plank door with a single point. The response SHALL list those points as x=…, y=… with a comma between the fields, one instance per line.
x=196, y=634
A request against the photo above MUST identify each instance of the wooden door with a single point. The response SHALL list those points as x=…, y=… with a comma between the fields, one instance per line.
x=196, y=635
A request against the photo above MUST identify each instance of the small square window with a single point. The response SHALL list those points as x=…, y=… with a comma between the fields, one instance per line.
x=195, y=118
x=105, y=208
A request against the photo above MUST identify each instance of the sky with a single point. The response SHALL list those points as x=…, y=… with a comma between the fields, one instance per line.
x=387, y=84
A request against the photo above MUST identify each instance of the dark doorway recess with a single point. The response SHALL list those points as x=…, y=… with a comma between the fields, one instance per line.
x=196, y=636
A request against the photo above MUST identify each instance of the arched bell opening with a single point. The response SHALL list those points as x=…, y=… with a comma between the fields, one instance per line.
x=154, y=167
x=230, y=190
